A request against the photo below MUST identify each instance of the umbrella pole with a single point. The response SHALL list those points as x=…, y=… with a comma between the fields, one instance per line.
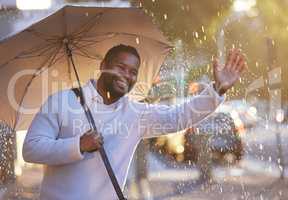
x=93, y=126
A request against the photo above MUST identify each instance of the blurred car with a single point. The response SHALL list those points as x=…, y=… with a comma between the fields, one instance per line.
x=245, y=116
x=187, y=145
x=216, y=135
x=215, y=138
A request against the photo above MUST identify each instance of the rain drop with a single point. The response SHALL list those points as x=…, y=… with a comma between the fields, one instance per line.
x=137, y=40
x=261, y=147
x=165, y=16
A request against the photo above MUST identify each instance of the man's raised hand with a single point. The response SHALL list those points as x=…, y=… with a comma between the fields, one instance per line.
x=226, y=76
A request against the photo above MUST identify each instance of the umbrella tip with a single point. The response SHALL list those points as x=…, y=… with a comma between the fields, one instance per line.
x=65, y=40
x=67, y=44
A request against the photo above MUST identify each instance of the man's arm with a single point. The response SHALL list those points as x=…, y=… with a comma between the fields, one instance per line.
x=42, y=144
x=162, y=119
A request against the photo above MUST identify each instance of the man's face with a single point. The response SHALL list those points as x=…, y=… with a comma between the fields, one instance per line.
x=120, y=74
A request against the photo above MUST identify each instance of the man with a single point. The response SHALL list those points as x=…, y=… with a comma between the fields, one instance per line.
x=59, y=137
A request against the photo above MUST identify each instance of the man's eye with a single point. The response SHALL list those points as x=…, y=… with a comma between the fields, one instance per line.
x=134, y=72
x=120, y=66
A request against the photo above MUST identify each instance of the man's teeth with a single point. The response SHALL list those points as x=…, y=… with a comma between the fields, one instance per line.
x=122, y=83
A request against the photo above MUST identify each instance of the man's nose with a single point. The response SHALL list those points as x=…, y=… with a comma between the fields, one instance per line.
x=126, y=75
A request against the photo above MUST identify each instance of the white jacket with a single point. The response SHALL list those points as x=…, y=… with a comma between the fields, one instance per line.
x=54, y=136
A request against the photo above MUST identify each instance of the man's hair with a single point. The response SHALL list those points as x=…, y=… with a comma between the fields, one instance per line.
x=113, y=52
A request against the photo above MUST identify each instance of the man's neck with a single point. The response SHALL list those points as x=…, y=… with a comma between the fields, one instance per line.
x=100, y=87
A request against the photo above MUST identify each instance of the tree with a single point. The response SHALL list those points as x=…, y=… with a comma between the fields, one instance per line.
x=7, y=154
x=192, y=21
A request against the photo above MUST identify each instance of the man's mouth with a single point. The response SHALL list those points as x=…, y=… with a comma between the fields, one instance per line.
x=122, y=84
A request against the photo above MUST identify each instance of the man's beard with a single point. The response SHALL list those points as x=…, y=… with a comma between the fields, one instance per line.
x=115, y=89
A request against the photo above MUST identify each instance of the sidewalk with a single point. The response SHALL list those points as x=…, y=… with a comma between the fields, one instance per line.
x=232, y=188
x=26, y=186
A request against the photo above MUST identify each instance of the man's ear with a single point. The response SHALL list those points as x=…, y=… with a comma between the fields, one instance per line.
x=102, y=65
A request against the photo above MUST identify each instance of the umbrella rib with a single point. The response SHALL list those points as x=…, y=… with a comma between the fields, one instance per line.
x=80, y=48
x=98, y=34
x=19, y=54
x=123, y=33
x=57, y=59
x=91, y=41
x=90, y=44
x=44, y=52
x=43, y=36
x=53, y=60
x=143, y=36
x=86, y=54
x=87, y=43
x=32, y=50
x=86, y=27
x=46, y=47
x=106, y=34
x=38, y=72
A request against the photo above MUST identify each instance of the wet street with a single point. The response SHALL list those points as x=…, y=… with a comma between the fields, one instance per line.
x=257, y=176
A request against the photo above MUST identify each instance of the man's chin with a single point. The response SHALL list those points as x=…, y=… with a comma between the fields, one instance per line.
x=119, y=92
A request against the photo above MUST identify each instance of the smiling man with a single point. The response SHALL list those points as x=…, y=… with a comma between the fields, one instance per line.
x=59, y=135
x=119, y=73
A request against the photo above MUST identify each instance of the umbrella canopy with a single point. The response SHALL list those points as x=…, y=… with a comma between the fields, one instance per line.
x=34, y=62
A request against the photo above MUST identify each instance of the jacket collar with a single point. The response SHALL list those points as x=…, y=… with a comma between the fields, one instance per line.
x=92, y=96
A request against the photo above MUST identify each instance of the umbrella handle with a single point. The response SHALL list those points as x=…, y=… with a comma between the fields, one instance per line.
x=101, y=150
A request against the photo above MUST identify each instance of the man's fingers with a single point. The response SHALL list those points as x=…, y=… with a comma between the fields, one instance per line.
x=91, y=132
x=245, y=66
x=91, y=141
x=98, y=146
x=216, y=65
x=232, y=58
x=99, y=143
x=88, y=132
x=240, y=65
x=99, y=139
x=236, y=62
x=228, y=57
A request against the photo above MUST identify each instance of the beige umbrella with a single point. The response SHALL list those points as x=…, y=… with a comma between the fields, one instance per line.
x=34, y=62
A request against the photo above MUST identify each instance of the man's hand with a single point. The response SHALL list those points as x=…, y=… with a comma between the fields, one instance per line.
x=226, y=76
x=91, y=141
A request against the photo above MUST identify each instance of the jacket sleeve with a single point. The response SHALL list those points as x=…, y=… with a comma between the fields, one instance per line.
x=42, y=145
x=163, y=119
